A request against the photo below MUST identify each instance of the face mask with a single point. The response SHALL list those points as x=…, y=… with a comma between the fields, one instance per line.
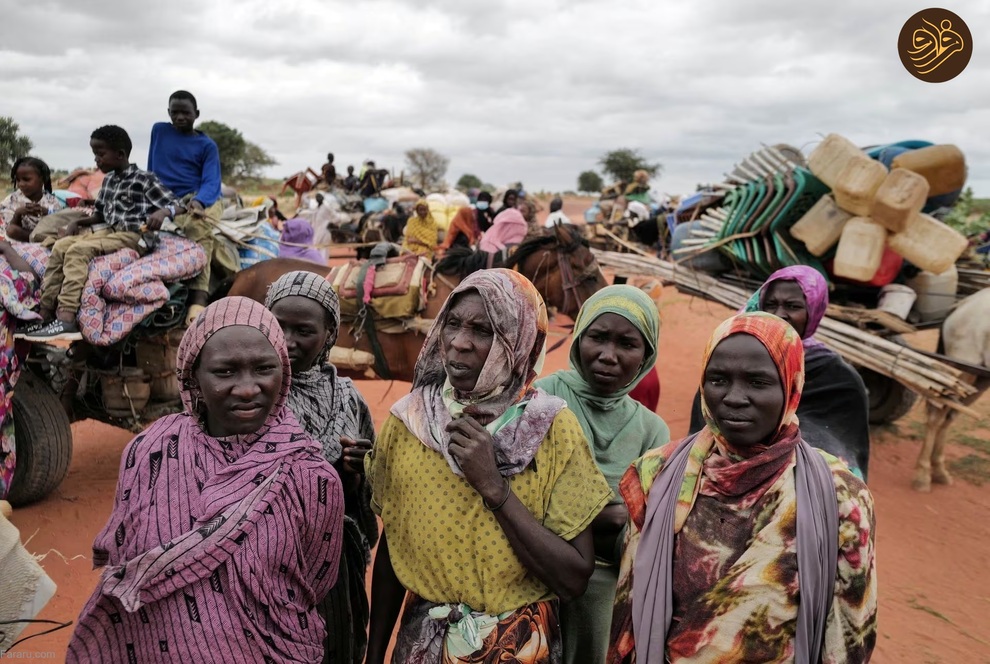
x=482, y=205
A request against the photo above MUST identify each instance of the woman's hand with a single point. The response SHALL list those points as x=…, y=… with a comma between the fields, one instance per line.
x=472, y=449
x=354, y=453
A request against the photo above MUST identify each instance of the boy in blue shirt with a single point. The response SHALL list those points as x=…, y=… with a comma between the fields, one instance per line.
x=187, y=161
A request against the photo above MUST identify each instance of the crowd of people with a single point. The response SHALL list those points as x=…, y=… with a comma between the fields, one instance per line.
x=513, y=517
x=522, y=518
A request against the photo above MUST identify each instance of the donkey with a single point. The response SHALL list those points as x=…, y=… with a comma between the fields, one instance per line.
x=965, y=337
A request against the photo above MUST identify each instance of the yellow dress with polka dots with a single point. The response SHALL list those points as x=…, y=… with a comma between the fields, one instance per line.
x=446, y=547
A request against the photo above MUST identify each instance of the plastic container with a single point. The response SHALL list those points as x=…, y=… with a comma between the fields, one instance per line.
x=890, y=267
x=831, y=157
x=897, y=299
x=936, y=294
x=900, y=197
x=944, y=166
x=821, y=226
x=860, y=249
x=857, y=185
x=929, y=244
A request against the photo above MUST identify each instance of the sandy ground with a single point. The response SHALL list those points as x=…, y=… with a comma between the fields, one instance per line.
x=933, y=550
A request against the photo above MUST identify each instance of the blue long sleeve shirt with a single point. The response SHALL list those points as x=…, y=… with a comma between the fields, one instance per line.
x=184, y=163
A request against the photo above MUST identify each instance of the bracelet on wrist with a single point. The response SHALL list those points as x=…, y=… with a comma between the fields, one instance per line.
x=508, y=491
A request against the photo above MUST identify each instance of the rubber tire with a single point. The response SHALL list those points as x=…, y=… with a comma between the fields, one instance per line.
x=889, y=400
x=43, y=441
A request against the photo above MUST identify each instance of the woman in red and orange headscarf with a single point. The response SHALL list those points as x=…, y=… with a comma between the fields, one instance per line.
x=724, y=521
x=486, y=488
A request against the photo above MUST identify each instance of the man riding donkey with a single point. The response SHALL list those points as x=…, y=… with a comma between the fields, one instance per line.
x=187, y=162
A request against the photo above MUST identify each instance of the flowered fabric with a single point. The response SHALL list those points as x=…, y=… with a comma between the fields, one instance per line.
x=21, y=288
x=835, y=408
x=734, y=572
x=17, y=200
x=530, y=635
x=123, y=289
x=216, y=545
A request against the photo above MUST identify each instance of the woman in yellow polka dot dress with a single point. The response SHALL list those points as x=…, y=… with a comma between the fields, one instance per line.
x=486, y=488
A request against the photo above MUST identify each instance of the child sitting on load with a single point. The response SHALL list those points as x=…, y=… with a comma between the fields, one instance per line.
x=129, y=200
x=33, y=199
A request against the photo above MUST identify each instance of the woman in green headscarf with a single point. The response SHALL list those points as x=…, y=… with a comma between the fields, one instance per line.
x=615, y=345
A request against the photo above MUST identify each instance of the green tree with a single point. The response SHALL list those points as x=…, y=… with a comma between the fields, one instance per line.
x=254, y=160
x=230, y=142
x=428, y=168
x=622, y=163
x=966, y=215
x=13, y=144
x=239, y=157
x=469, y=181
x=590, y=181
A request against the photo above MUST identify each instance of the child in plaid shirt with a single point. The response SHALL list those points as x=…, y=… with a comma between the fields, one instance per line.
x=129, y=200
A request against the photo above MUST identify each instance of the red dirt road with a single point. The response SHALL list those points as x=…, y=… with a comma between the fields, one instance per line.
x=933, y=550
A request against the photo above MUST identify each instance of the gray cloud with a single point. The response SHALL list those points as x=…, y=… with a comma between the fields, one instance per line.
x=531, y=90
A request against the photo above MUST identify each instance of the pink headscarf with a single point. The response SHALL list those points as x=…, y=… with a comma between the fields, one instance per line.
x=191, y=506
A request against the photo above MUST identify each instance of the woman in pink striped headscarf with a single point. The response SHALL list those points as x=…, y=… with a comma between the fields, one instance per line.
x=226, y=527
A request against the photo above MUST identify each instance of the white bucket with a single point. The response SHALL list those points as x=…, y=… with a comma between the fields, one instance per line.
x=897, y=299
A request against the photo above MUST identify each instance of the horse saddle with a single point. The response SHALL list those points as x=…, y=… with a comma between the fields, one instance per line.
x=390, y=286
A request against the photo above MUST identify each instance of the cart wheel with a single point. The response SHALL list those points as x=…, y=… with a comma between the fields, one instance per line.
x=43, y=441
x=889, y=400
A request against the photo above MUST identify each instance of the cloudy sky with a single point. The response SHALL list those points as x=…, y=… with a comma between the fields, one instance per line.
x=530, y=90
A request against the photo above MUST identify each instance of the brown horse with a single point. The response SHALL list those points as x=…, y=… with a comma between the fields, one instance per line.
x=559, y=263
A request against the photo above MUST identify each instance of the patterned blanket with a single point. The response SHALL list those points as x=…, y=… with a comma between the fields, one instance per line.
x=123, y=289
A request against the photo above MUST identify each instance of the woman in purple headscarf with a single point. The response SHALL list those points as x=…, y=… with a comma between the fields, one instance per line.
x=297, y=238
x=835, y=409
x=226, y=527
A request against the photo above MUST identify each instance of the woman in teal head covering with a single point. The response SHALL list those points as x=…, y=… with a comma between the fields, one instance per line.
x=615, y=345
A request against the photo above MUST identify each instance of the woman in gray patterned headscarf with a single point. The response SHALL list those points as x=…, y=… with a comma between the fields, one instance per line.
x=331, y=410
